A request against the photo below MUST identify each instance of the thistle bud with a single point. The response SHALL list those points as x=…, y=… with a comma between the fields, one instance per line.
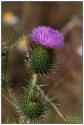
x=42, y=60
x=32, y=106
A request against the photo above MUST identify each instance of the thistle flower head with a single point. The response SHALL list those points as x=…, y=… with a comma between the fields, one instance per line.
x=47, y=37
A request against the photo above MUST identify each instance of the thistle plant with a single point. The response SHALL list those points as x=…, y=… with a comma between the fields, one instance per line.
x=42, y=60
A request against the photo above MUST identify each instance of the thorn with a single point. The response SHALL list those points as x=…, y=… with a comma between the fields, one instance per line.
x=9, y=101
x=63, y=118
x=24, y=87
x=44, y=116
x=44, y=85
x=53, y=98
x=47, y=111
x=10, y=83
x=26, y=80
x=58, y=104
x=47, y=76
x=43, y=119
x=24, y=60
x=27, y=36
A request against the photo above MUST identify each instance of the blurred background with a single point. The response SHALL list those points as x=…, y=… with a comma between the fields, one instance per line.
x=66, y=83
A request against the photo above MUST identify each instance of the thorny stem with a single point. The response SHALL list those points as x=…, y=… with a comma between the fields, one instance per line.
x=6, y=86
x=9, y=46
x=9, y=90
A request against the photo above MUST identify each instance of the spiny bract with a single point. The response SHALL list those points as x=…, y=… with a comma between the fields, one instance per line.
x=32, y=106
x=42, y=60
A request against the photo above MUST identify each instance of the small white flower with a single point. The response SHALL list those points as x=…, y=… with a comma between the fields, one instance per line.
x=9, y=18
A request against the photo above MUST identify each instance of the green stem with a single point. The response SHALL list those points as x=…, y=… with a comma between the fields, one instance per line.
x=33, y=82
x=35, y=77
x=9, y=47
x=15, y=44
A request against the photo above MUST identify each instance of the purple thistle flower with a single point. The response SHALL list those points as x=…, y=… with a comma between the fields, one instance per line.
x=48, y=37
